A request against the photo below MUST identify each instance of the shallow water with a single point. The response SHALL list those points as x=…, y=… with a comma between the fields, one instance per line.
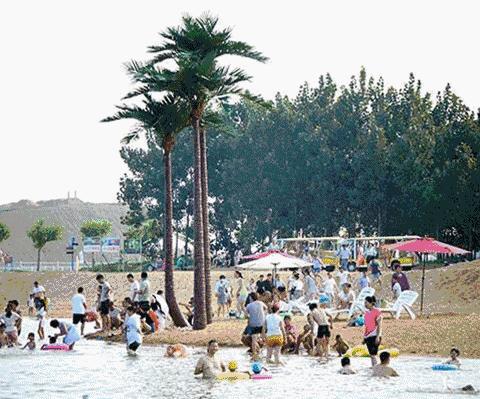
x=102, y=370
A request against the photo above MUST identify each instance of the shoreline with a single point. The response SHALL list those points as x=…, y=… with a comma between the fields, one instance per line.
x=425, y=336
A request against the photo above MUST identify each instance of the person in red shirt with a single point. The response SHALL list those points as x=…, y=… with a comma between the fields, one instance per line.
x=372, y=336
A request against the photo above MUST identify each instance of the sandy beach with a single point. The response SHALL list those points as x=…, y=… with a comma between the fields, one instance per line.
x=451, y=316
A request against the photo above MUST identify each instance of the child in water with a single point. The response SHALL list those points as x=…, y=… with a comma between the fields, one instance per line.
x=340, y=346
x=346, y=368
x=454, y=354
x=383, y=369
x=31, y=342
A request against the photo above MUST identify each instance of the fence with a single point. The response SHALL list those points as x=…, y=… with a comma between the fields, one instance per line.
x=32, y=267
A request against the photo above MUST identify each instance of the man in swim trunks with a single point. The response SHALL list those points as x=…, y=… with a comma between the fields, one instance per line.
x=210, y=365
x=256, y=319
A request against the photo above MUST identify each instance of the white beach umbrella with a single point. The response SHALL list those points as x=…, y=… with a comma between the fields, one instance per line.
x=276, y=261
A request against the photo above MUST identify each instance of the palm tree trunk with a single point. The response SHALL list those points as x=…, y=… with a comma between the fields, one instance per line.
x=200, y=314
x=177, y=316
x=206, y=239
x=176, y=239
x=38, y=259
x=187, y=228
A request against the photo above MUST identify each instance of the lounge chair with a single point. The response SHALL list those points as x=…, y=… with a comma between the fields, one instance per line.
x=299, y=305
x=357, y=305
x=403, y=303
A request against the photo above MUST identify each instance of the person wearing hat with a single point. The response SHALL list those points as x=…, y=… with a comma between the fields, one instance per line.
x=274, y=334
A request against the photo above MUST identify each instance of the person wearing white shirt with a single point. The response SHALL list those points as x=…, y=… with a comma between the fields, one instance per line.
x=311, y=291
x=79, y=306
x=133, y=332
x=38, y=293
x=344, y=277
x=330, y=287
x=396, y=289
x=134, y=287
x=346, y=297
x=344, y=256
x=297, y=287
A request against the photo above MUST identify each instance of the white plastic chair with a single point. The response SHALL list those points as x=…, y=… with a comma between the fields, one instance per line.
x=357, y=305
x=403, y=303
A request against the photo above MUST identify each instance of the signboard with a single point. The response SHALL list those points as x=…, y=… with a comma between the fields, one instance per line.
x=91, y=245
x=110, y=245
x=132, y=246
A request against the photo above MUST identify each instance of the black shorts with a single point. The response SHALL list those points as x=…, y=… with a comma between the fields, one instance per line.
x=323, y=332
x=133, y=346
x=371, y=345
x=104, y=311
x=78, y=318
x=253, y=330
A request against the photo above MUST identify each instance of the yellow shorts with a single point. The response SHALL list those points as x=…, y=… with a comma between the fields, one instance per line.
x=275, y=340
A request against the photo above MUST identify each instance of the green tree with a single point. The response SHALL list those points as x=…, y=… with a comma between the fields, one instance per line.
x=41, y=233
x=161, y=121
x=95, y=228
x=4, y=232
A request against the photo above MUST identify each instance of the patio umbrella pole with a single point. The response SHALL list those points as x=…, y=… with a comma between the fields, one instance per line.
x=423, y=285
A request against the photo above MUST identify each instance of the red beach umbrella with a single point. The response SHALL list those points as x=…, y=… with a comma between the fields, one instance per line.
x=425, y=246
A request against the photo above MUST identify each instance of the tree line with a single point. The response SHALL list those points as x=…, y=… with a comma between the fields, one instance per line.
x=373, y=159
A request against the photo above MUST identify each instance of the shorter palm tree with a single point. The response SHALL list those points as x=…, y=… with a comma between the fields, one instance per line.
x=160, y=121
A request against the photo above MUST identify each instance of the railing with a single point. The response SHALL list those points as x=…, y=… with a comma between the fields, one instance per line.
x=32, y=267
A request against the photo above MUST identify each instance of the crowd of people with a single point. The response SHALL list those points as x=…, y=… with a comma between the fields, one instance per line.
x=261, y=302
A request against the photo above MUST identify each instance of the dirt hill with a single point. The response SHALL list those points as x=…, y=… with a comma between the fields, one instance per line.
x=69, y=213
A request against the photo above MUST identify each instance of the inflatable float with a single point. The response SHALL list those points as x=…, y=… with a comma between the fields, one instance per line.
x=362, y=351
x=233, y=376
x=261, y=377
x=444, y=367
x=55, y=347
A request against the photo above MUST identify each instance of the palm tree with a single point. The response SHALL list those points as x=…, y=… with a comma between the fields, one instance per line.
x=161, y=121
x=195, y=46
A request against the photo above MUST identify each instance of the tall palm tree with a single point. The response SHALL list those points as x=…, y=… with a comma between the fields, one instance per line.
x=160, y=121
x=196, y=46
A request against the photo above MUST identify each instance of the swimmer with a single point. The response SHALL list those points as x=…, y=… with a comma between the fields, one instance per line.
x=176, y=351
x=346, y=367
x=340, y=345
x=31, y=342
x=383, y=369
x=210, y=365
x=454, y=354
